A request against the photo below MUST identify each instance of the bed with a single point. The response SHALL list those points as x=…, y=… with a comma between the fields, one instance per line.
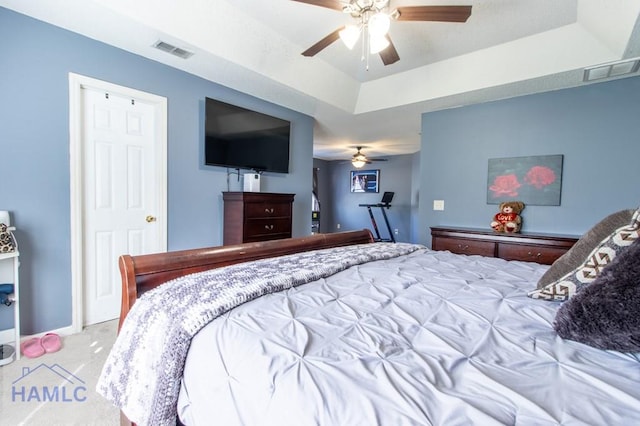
x=336, y=329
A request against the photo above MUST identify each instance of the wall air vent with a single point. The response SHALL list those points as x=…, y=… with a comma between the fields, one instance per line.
x=174, y=50
x=612, y=69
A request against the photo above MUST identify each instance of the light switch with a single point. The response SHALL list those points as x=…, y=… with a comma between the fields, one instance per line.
x=438, y=204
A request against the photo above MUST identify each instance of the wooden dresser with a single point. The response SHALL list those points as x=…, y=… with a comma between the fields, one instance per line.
x=256, y=216
x=529, y=247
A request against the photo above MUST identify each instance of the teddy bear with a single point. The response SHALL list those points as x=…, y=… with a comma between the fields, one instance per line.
x=508, y=219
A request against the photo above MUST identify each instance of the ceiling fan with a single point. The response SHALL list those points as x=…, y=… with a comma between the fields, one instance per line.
x=359, y=159
x=373, y=20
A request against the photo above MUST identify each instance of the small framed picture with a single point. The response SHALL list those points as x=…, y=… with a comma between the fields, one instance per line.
x=365, y=180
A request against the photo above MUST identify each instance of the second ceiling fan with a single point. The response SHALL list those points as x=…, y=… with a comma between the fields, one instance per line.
x=359, y=159
x=372, y=20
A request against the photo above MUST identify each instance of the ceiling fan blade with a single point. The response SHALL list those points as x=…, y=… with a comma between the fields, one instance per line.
x=313, y=50
x=389, y=55
x=434, y=13
x=330, y=4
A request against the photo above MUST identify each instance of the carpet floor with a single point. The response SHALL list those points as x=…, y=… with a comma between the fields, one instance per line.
x=59, y=388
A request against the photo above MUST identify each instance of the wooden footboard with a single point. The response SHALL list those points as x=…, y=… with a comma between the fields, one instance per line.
x=142, y=273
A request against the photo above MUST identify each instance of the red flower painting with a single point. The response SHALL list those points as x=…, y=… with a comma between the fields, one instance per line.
x=540, y=176
x=534, y=180
x=505, y=186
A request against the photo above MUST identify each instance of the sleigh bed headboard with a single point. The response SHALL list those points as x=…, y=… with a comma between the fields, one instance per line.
x=145, y=272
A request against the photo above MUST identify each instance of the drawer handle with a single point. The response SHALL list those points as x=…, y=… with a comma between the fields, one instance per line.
x=270, y=211
x=537, y=256
x=268, y=227
x=463, y=247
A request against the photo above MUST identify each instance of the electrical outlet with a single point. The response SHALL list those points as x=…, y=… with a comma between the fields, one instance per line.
x=338, y=226
x=395, y=231
x=438, y=204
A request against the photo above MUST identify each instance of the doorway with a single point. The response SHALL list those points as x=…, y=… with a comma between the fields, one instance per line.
x=315, y=204
x=118, y=143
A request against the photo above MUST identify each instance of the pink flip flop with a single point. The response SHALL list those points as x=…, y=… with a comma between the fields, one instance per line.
x=32, y=348
x=51, y=342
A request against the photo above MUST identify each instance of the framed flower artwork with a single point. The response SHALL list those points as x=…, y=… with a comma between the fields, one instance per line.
x=534, y=180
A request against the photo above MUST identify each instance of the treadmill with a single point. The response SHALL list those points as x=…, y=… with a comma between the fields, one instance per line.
x=385, y=203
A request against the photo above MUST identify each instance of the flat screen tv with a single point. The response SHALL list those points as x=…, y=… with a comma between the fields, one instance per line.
x=239, y=138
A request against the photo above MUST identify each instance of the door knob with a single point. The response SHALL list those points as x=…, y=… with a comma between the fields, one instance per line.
x=150, y=219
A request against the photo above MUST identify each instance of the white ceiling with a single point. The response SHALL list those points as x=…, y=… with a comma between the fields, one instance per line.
x=506, y=48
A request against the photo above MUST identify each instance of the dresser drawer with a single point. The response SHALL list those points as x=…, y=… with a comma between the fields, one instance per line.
x=259, y=229
x=526, y=246
x=464, y=246
x=261, y=210
x=530, y=253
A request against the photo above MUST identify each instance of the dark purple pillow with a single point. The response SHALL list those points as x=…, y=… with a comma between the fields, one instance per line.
x=606, y=313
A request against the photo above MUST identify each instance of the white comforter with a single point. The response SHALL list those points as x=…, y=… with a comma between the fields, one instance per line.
x=429, y=338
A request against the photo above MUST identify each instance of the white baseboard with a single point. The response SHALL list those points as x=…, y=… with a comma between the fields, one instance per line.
x=64, y=331
x=6, y=336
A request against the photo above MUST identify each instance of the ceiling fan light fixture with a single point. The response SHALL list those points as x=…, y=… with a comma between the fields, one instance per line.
x=380, y=4
x=377, y=43
x=349, y=35
x=362, y=4
x=358, y=160
x=379, y=24
x=358, y=163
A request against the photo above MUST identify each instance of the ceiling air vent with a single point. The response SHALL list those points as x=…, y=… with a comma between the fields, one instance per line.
x=612, y=69
x=174, y=50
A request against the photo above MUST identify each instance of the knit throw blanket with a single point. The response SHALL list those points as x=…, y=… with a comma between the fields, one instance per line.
x=143, y=371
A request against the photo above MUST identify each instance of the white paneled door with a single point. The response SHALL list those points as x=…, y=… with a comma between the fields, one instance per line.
x=122, y=208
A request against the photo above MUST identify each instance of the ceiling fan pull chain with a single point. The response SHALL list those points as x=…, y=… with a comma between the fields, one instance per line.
x=362, y=45
x=365, y=45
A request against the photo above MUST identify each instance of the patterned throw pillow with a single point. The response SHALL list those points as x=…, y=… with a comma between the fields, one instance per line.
x=565, y=287
x=7, y=244
x=576, y=255
x=606, y=314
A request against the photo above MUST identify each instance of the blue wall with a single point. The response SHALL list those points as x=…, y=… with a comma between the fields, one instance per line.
x=594, y=126
x=34, y=141
x=344, y=209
